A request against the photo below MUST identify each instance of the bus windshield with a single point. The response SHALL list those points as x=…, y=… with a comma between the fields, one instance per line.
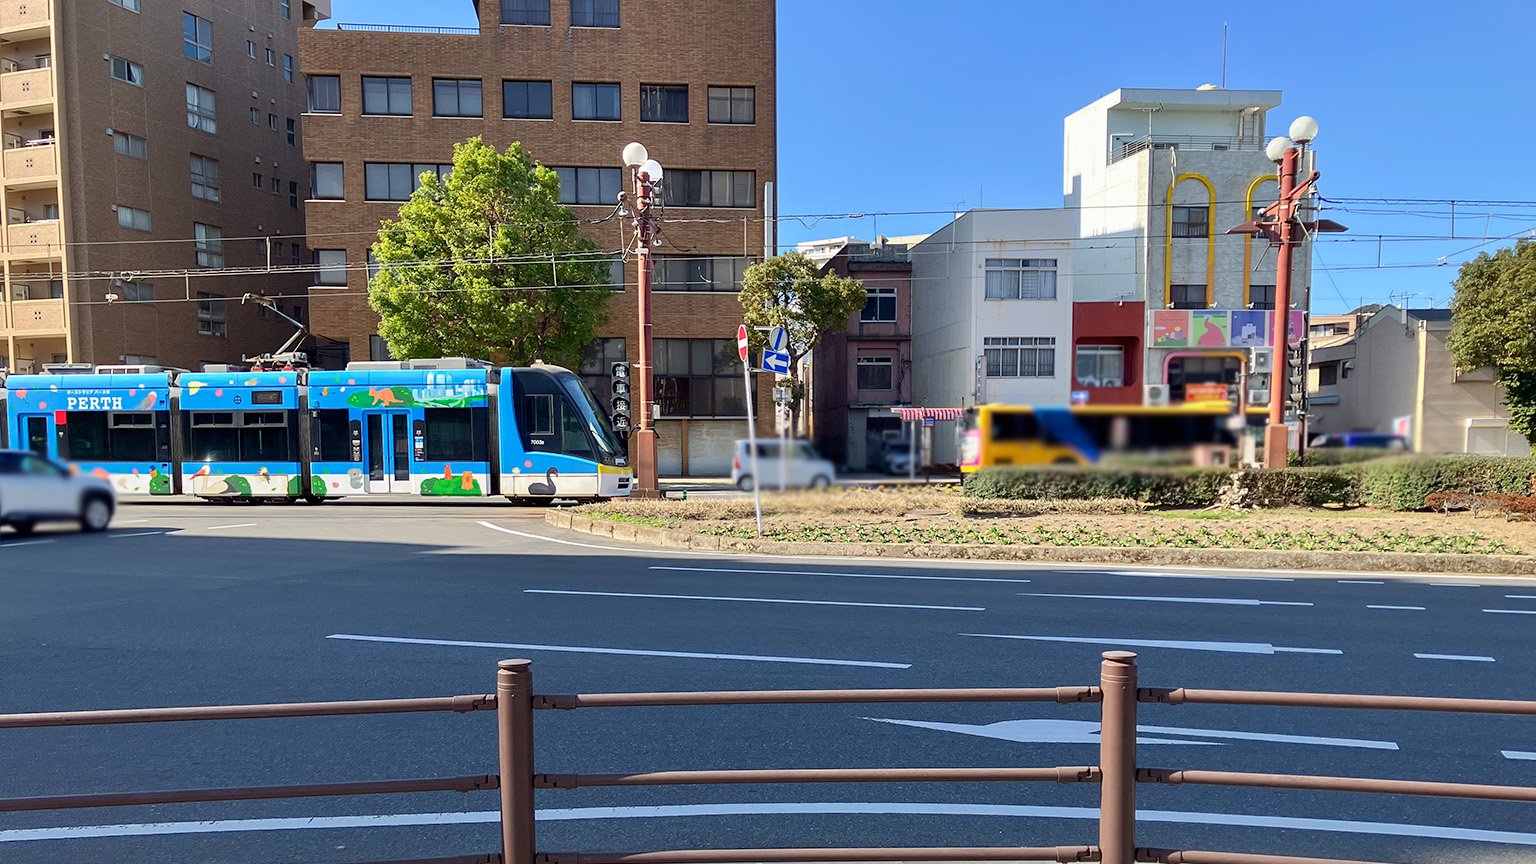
x=608, y=444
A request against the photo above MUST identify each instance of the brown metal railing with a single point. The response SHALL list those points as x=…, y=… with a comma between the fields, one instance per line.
x=514, y=702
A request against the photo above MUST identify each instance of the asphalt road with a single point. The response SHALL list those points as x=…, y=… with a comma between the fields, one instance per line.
x=189, y=604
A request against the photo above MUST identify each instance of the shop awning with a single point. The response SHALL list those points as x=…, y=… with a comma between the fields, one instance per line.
x=912, y=414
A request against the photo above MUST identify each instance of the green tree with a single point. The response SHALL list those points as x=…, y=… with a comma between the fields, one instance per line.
x=1494, y=325
x=790, y=291
x=488, y=263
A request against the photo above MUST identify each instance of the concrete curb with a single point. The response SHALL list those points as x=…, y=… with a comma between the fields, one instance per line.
x=1236, y=559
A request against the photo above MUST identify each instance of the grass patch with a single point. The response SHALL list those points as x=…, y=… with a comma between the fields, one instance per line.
x=1211, y=515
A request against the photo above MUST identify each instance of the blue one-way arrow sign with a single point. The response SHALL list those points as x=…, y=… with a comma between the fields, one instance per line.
x=776, y=362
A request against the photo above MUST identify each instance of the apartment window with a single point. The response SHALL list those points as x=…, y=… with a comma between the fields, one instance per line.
x=879, y=304
x=535, y=12
x=326, y=181
x=1261, y=296
x=527, y=100
x=258, y=181
x=589, y=185
x=330, y=267
x=1188, y=297
x=699, y=378
x=701, y=274
x=128, y=217
x=135, y=292
x=664, y=103
x=293, y=132
x=130, y=5
x=710, y=188
x=271, y=57
x=733, y=105
x=279, y=250
x=272, y=122
x=387, y=96
x=201, y=113
x=56, y=289
x=127, y=71
x=595, y=101
x=210, y=315
x=594, y=13
x=1021, y=279
x=256, y=116
x=1191, y=222
x=276, y=185
x=293, y=202
x=295, y=250
x=288, y=68
x=210, y=245
x=131, y=146
x=452, y=97
x=286, y=8
x=1328, y=375
x=325, y=94
x=1100, y=366
x=1020, y=356
x=378, y=349
x=196, y=38
x=250, y=51
x=876, y=373
x=395, y=181
x=596, y=369
x=205, y=178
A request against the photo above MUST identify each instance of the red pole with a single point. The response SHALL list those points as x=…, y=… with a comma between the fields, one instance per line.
x=514, y=745
x=646, y=470
x=1117, y=758
x=1276, y=436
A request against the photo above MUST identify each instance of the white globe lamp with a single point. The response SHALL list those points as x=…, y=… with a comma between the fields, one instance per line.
x=1277, y=148
x=635, y=154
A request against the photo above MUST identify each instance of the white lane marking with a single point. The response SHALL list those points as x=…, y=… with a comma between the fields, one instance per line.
x=222, y=527
x=1470, y=658
x=755, y=600
x=138, y=534
x=1520, y=754
x=675, y=811
x=1087, y=732
x=129, y=521
x=1193, y=576
x=25, y=543
x=1217, y=601
x=1360, y=582
x=1228, y=647
x=627, y=652
x=1454, y=585
x=630, y=549
x=829, y=573
x=1511, y=611
x=1403, y=608
x=1520, y=596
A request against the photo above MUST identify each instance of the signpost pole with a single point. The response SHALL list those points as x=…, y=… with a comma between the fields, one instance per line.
x=746, y=376
x=912, y=452
x=783, y=410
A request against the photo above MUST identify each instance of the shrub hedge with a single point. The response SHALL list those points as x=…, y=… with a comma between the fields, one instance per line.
x=1339, y=456
x=1404, y=483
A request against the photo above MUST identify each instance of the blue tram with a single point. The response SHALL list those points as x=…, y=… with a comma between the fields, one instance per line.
x=426, y=427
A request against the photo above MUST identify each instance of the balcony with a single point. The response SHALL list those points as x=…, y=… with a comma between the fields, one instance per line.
x=1121, y=148
x=24, y=19
x=30, y=164
x=26, y=87
x=37, y=317
x=34, y=240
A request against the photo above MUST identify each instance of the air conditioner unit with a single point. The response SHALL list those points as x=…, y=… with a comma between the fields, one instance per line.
x=1155, y=394
x=1258, y=397
x=1263, y=361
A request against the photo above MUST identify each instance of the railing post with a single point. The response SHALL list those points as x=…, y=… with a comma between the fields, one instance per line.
x=514, y=744
x=1117, y=759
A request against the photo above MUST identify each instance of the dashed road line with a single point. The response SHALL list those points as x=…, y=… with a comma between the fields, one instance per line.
x=223, y=527
x=754, y=600
x=1403, y=608
x=626, y=652
x=830, y=573
x=1469, y=658
x=1210, y=601
x=1511, y=611
x=26, y=543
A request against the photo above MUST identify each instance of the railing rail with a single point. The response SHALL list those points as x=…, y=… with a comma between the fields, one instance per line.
x=409, y=28
x=1125, y=148
x=515, y=703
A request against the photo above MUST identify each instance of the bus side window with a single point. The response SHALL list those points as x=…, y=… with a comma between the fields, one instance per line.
x=1015, y=426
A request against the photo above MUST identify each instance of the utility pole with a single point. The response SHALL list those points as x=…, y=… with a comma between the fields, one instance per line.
x=647, y=173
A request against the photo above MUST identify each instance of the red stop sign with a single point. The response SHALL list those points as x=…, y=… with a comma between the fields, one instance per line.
x=741, y=342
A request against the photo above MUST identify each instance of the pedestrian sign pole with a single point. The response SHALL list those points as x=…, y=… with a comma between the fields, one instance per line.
x=746, y=376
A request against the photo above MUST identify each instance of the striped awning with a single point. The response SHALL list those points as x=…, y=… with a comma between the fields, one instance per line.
x=910, y=414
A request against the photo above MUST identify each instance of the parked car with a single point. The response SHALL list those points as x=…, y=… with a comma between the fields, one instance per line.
x=34, y=489
x=1371, y=440
x=804, y=469
x=897, y=458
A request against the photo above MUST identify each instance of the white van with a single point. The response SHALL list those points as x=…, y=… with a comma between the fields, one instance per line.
x=803, y=469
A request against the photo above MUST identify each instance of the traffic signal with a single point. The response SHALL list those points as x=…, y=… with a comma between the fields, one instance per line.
x=1296, y=372
x=618, y=406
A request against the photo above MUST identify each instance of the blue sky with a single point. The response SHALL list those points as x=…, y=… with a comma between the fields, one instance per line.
x=892, y=106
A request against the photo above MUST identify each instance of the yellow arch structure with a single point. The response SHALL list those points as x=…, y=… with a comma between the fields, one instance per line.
x=1248, y=239
x=1210, y=224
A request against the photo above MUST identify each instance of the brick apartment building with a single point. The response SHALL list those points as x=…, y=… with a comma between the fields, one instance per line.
x=142, y=142
x=574, y=81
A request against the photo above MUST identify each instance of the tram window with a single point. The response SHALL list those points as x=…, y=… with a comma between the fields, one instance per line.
x=213, y=437
x=247, y=436
x=267, y=397
x=85, y=436
x=541, y=414
x=94, y=436
x=573, y=437
x=264, y=437
x=456, y=435
x=335, y=435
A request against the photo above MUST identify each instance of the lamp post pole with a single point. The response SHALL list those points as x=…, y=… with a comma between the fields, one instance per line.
x=645, y=173
x=1276, y=435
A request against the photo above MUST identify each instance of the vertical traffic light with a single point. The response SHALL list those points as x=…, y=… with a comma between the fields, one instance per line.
x=619, y=405
x=1296, y=373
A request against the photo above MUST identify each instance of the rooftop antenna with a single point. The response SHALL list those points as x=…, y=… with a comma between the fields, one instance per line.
x=1223, y=55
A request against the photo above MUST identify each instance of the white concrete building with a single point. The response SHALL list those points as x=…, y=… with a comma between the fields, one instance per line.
x=1154, y=179
x=992, y=312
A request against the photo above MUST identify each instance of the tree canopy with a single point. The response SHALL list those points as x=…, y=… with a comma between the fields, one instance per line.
x=789, y=291
x=488, y=263
x=1493, y=316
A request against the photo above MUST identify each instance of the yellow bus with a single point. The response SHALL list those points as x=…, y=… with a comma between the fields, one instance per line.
x=996, y=435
